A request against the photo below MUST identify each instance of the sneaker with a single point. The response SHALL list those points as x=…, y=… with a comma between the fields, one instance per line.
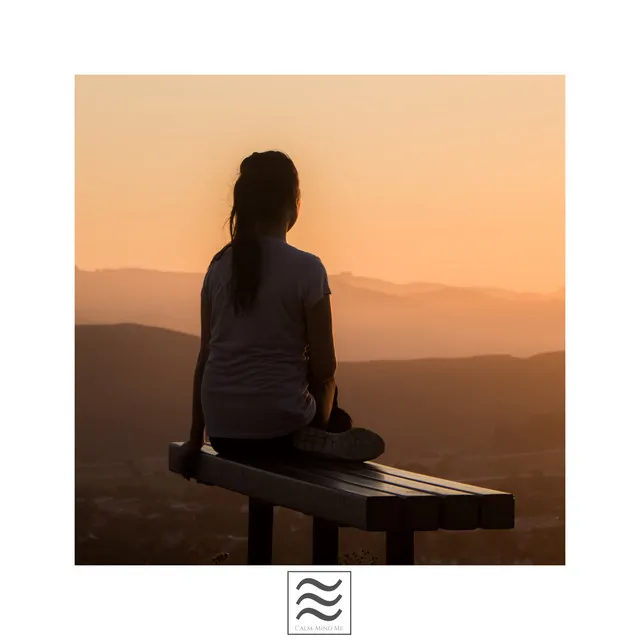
x=355, y=445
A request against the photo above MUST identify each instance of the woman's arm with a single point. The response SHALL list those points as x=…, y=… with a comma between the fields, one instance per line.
x=197, y=417
x=322, y=359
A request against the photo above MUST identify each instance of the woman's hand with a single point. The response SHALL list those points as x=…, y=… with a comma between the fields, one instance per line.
x=188, y=455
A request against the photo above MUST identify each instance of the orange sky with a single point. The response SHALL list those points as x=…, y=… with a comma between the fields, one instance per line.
x=452, y=179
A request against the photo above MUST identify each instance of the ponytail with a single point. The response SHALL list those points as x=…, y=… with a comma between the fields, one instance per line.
x=266, y=188
x=246, y=252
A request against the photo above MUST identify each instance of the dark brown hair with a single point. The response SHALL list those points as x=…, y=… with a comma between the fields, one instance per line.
x=266, y=191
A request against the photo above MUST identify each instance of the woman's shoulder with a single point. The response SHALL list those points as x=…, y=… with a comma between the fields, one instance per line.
x=311, y=277
x=224, y=251
x=304, y=258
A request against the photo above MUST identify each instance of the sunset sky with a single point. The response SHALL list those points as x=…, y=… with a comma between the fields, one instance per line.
x=451, y=179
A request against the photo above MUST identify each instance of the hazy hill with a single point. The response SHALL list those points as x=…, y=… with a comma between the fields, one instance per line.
x=383, y=286
x=155, y=298
x=373, y=319
x=411, y=288
x=133, y=396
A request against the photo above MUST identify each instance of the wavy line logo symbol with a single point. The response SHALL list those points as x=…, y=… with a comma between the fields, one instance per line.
x=319, y=602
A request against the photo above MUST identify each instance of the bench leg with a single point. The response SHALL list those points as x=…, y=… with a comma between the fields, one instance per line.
x=260, y=541
x=400, y=547
x=325, y=541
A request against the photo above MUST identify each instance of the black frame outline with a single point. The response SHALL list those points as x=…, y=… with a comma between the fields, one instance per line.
x=350, y=604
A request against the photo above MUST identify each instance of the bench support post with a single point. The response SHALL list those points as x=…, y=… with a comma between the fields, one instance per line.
x=260, y=542
x=325, y=541
x=400, y=547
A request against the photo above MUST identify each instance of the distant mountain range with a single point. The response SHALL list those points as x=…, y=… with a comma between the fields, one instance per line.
x=411, y=288
x=373, y=319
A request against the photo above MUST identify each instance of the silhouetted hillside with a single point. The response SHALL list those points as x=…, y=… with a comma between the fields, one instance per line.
x=492, y=420
x=133, y=390
x=373, y=319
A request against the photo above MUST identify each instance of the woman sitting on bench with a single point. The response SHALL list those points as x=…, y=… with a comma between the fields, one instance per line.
x=264, y=379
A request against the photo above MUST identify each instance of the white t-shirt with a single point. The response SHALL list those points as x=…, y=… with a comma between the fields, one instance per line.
x=255, y=383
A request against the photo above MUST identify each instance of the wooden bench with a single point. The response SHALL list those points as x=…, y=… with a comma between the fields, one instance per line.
x=368, y=496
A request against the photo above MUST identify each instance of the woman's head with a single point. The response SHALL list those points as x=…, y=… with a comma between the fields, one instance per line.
x=266, y=199
x=266, y=195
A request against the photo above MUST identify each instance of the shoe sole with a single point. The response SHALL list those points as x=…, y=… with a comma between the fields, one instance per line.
x=355, y=445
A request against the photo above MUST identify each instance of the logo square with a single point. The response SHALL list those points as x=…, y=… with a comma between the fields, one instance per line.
x=319, y=603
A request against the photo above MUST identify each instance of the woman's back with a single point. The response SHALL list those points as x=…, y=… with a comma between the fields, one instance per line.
x=255, y=382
